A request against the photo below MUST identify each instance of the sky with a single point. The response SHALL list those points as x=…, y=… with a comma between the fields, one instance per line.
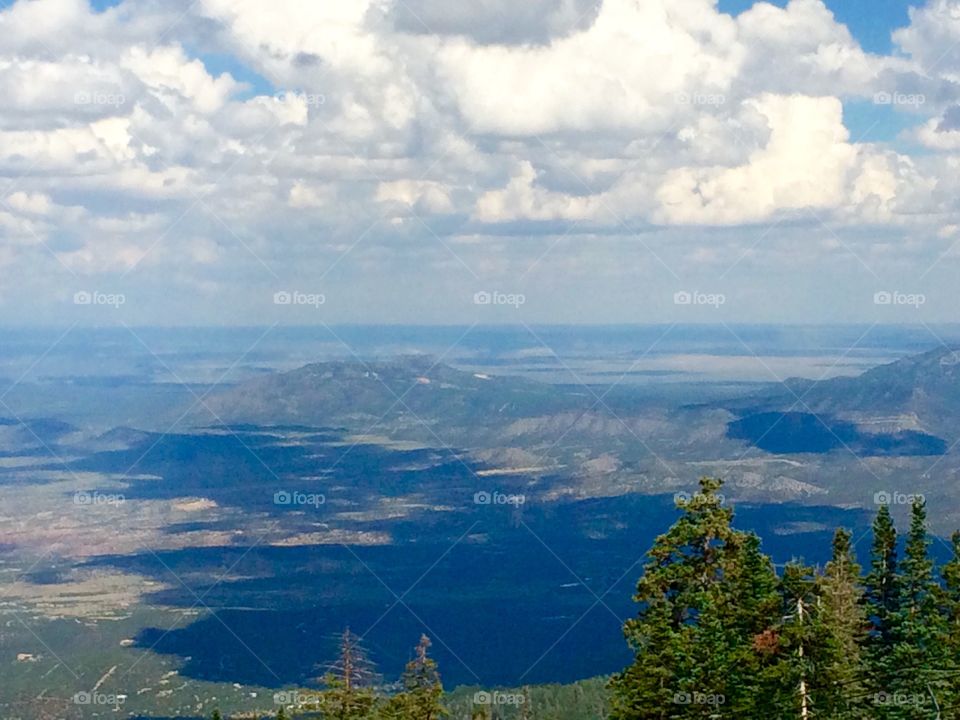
x=235, y=162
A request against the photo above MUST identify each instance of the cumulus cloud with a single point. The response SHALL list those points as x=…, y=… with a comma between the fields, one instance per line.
x=123, y=150
x=626, y=71
x=934, y=30
x=807, y=162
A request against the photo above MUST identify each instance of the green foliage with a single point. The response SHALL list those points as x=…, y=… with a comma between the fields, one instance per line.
x=422, y=690
x=842, y=620
x=706, y=594
x=343, y=701
x=918, y=629
x=718, y=634
x=950, y=604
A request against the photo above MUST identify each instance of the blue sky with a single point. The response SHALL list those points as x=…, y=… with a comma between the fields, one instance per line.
x=870, y=21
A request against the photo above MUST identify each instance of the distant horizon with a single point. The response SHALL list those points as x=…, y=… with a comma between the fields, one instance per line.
x=500, y=326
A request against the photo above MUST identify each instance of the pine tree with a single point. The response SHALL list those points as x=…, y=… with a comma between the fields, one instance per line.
x=818, y=668
x=755, y=604
x=882, y=602
x=422, y=689
x=215, y=715
x=704, y=596
x=950, y=603
x=349, y=695
x=792, y=680
x=843, y=621
x=919, y=653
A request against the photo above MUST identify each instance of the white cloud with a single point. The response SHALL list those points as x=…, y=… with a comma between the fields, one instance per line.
x=807, y=162
x=421, y=196
x=522, y=199
x=627, y=70
x=30, y=203
x=933, y=33
x=167, y=72
x=500, y=124
x=802, y=49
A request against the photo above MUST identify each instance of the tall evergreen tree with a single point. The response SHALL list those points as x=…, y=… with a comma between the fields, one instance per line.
x=348, y=694
x=752, y=596
x=950, y=603
x=706, y=593
x=422, y=690
x=843, y=621
x=882, y=602
x=819, y=644
x=919, y=630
